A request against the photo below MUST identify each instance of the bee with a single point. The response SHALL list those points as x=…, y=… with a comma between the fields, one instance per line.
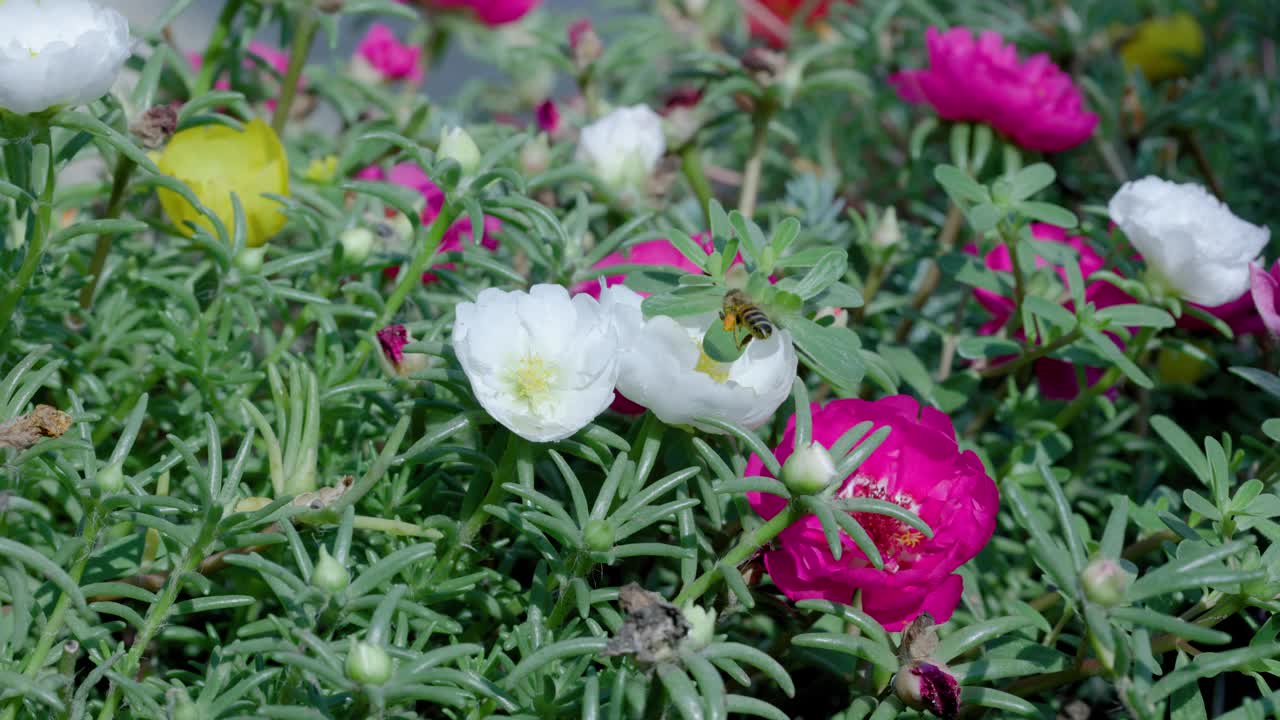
x=739, y=311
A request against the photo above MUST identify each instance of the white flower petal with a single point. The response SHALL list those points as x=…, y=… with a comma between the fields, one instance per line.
x=659, y=368
x=623, y=148
x=1189, y=238
x=542, y=364
x=58, y=52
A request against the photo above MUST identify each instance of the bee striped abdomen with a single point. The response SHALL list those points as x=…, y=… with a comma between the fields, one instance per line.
x=758, y=322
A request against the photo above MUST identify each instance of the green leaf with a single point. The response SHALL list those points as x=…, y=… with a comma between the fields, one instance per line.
x=1195, y=571
x=21, y=553
x=985, y=347
x=683, y=302
x=784, y=234
x=967, y=638
x=692, y=251
x=1167, y=623
x=404, y=199
x=877, y=653
x=1051, y=311
x=1263, y=379
x=723, y=346
x=997, y=699
x=1181, y=442
x=1198, y=503
x=721, y=229
x=544, y=657
x=1135, y=316
x=833, y=351
x=1208, y=665
x=92, y=125
x=830, y=268
x=681, y=691
x=958, y=185
x=1108, y=349
x=1048, y=213
x=1030, y=180
x=388, y=567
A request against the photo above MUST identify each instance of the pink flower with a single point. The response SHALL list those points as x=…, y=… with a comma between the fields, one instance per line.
x=393, y=338
x=919, y=467
x=659, y=253
x=1057, y=378
x=411, y=176
x=392, y=59
x=489, y=12
x=548, y=117
x=1247, y=314
x=770, y=20
x=1265, y=290
x=982, y=79
x=274, y=58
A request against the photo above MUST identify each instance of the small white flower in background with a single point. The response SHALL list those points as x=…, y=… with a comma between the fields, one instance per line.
x=1189, y=239
x=58, y=52
x=623, y=148
x=664, y=369
x=457, y=145
x=541, y=363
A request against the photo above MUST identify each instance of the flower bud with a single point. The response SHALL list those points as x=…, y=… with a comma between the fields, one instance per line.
x=887, y=233
x=329, y=574
x=548, y=117
x=458, y=146
x=367, y=663
x=925, y=685
x=322, y=169
x=251, y=504
x=357, y=242
x=250, y=259
x=584, y=44
x=396, y=362
x=1105, y=581
x=1175, y=367
x=598, y=535
x=155, y=126
x=535, y=156
x=702, y=627
x=110, y=479
x=808, y=470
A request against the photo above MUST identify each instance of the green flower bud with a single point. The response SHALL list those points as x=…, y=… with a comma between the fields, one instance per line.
x=887, y=233
x=458, y=146
x=250, y=259
x=329, y=574
x=367, y=663
x=1105, y=581
x=702, y=627
x=181, y=707
x=808, y=470
x=598, y=535
x=535, y=156
x=110, y=479
x=357, y=242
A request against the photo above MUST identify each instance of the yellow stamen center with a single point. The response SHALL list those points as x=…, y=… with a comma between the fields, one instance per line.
x=714, y=369
x=532, y=378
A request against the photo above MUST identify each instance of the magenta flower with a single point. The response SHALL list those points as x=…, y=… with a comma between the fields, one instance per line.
x=548, y=117
x=393, y=338
x=659, y=253
x=274, y=58
x=919, y=467
x=390, y=58
x=1265, y=290
x=489, y=12
x=1057, y=377
x=411, y=176
x=982, y=79
x=1247, y=314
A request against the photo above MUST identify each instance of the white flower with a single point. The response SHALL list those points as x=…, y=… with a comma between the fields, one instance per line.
x=623, y=147
x=58, y=52
x=540, y=363
x=664, y=369
x=1190, y=240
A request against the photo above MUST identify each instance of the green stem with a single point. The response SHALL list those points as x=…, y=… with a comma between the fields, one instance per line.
x=691, y=164
x=745, y=548
x=52, y=628
x=474, y=522
x=39, y=235
x=158, y=613
x=408, y=280
x=1029, y=357
x=755, y=161
x=298, y=53
x=124, y=169
x=391, y=527
x=1108, y=379
x=1019, y=281
x=582, y=565
x=213, y=51
x=932, y=278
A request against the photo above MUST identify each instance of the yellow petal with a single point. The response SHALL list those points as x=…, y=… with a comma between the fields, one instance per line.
x=1164, y=47
x=215, y=161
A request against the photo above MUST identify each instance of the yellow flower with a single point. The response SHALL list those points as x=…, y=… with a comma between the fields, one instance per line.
x=1164, y=47
x=215, y=161
x=322, y=169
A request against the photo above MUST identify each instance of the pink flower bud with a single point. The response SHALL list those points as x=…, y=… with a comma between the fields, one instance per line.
x=584, y=44
x=399, y=363
x=928, y=686
x=1105, y=582
x=548, y=116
